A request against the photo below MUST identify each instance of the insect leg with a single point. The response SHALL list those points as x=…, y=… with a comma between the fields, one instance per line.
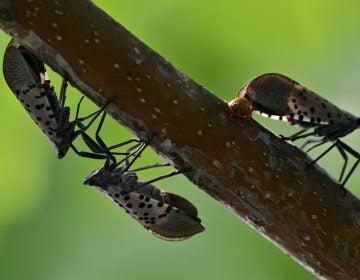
x=313, y=141
x=299, y=135
x=354, y=154
x=95, y=115
x=62, y=99
x=126, y=158
x=345, y=157
x=97, y=150
x=150, y=166
x=127, y=142
x=351, y=172
x=173, y=173
x=324, y=153
x=302, y=131
x=105, y=149
x=99, y=146
x=64, y=84
x=88, y=154
x=139, y=152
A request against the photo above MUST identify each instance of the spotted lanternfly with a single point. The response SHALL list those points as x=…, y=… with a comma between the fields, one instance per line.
x=282, y=98
x=27, y=78
x=166, y=215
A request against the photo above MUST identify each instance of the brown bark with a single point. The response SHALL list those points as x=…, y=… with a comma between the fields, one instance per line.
x=262, y=179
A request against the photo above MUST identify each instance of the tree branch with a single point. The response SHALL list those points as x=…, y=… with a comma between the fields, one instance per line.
x=262, y=179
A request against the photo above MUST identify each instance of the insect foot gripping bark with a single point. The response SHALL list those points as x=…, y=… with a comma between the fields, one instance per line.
x=26, y=76
x=166, y=215
x=282, y=98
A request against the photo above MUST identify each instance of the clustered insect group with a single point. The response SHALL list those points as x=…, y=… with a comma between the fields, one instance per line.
x=282, y=98
x=166, y=215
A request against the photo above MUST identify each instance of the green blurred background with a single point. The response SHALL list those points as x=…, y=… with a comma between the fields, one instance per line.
x=52, y=227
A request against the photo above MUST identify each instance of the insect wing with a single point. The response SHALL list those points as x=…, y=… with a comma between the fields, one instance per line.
x=162, y=219
x=307, y=106
x=279, y=97
x=180, y=203
x=27, y=78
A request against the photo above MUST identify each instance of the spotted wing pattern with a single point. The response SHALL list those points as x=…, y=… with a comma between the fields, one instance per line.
x=166, y=215
x=27, y=78
x=282, y=98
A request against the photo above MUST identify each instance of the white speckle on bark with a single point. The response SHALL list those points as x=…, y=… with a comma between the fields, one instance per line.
x=137, y=56
x=58, y=12
x=307, y=238
x=217, y=164
x=163, y=131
